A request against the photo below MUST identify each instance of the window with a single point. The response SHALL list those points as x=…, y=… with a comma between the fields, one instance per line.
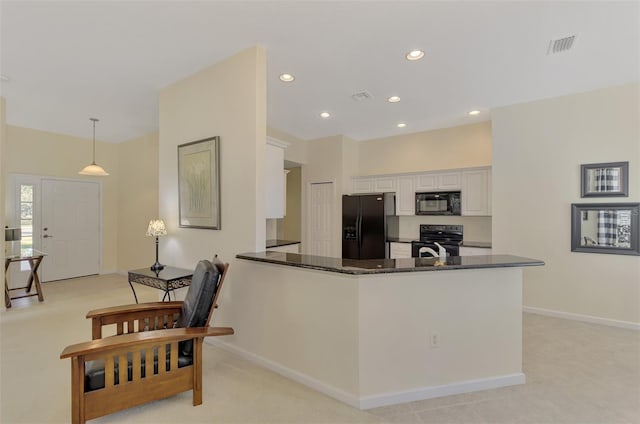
x=26, y=214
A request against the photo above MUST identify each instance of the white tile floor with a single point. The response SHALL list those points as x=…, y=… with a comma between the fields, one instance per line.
x=576, y=373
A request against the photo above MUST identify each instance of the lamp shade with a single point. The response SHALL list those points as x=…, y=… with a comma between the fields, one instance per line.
x=93, y=169
x=156, y=228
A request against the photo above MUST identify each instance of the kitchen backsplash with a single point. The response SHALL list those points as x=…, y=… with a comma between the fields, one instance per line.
x=476, y=228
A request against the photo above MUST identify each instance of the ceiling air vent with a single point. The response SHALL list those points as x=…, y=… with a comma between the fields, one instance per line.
x=362, y=95
x=561, y=44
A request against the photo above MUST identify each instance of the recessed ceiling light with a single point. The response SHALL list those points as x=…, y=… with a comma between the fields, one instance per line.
x=474, y=112
x=287, y=78
x=325, y=115
x=415, y=55
x=402, y=125
x=393, y=99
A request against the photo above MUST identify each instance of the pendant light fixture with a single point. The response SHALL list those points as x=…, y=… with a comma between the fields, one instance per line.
x=93, y=169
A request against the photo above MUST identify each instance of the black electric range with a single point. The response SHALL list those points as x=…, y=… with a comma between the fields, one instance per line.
x=448, y=236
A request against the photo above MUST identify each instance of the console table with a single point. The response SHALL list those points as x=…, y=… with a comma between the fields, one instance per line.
x=34, y=257
x=167, y=279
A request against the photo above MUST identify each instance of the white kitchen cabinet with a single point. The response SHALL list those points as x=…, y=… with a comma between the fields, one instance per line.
x=384, y=184
x=399, y=250
x=476, y=194
x=405, y=195
x=374, y=184
x=438, y=181
x=274, y=182
x=474, y=251
x=362, y=185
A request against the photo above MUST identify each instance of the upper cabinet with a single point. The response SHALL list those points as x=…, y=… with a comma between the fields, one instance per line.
x=275, y=190
x=438, y=181
x=406, y=196
x=476, y=192
x=473, y=183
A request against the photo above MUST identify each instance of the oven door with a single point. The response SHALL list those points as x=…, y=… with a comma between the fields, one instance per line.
x=452, y=250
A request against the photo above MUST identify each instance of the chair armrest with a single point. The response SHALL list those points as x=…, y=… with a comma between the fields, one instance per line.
x=126, y=309
x=150, y=316
x=133, y=340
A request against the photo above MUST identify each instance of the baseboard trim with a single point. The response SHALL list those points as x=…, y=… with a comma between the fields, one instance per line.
x=377, y=400
x=296, y=376
x=584, y=318
x=440, y=391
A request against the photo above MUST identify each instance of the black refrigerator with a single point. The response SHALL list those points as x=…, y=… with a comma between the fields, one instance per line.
x=367, y=221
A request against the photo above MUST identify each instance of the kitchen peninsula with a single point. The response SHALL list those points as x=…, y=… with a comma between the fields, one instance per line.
x=378, y=332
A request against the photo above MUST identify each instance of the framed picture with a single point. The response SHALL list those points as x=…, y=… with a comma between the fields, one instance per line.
x=605, y=179
x=199, y=183
x=612, y=228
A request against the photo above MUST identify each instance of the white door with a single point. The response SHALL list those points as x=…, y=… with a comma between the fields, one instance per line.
x=321, y=207
x=70, y=229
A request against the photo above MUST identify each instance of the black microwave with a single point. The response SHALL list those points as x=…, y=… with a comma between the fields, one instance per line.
x=438, y=203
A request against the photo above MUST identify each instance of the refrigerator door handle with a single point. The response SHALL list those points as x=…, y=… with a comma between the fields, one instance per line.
x=359, y=230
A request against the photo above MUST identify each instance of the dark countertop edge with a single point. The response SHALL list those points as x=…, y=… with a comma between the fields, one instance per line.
x=365, y=271
x=278, y=243
x=481, y=244
x=399, y=240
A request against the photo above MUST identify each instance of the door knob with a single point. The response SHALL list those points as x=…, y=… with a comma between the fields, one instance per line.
x=45, y=228
x=46, y=236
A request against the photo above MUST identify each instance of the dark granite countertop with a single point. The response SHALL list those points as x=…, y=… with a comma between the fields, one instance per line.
x=399, y=240
x=278, y=243
x=382, y=266
x=482, y=244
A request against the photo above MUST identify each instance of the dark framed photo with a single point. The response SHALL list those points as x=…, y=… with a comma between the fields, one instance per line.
x=199, y=183
x=605, y=179
x=612, y=228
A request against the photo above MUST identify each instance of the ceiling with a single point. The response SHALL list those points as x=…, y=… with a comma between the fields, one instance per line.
x=70, y=60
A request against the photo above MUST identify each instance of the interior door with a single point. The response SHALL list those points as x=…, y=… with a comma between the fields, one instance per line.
x=70, y=233
x=321, y=206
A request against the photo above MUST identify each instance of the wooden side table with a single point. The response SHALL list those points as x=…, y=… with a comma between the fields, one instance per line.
x=167, y=279
x=34, y=257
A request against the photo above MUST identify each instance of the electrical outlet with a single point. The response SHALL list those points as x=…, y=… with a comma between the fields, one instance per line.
x=435, y=339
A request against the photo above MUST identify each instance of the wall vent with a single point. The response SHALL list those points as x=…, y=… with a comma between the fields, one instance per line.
x=560, y=45
x=362, y=95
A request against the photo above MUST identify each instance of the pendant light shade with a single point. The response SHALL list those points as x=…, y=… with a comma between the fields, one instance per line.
x=94, y=169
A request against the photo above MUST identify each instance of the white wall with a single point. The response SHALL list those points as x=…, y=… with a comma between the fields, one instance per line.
x=537, y=151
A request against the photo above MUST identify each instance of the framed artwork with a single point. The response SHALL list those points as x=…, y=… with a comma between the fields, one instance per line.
x=605, y=179
x=612, y=228
x=199, y=184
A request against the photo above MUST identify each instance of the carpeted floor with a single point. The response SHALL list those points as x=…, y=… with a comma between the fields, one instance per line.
x=576, y=373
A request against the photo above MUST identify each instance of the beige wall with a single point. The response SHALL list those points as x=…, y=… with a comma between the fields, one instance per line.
x=457, y=147
x=34, y=152
x=537, y=151
x=292, y=226
x=137, y=201
x=227, y=100
x=3, y=174
x=297, y=150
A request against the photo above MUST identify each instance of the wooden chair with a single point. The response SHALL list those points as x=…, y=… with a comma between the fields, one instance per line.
x=118, y=372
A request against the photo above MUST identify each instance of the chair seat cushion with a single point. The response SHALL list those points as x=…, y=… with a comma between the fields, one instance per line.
x=94, y=370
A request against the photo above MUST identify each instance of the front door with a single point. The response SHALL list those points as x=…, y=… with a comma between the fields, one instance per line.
x=70, y=229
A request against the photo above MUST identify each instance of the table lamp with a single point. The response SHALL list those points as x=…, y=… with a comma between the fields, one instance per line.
x=156, y=229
